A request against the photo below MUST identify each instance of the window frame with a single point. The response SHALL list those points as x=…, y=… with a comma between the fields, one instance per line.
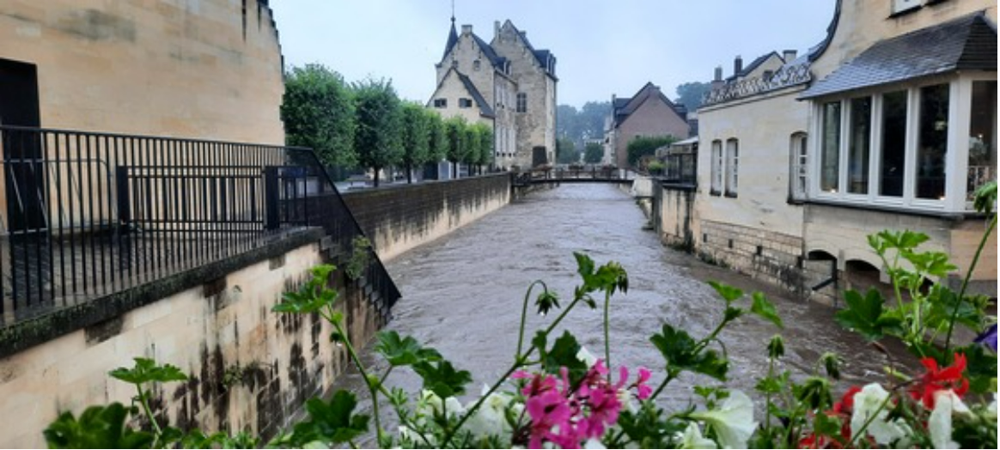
x=798, y=172
x=522, y=102
x=464, y=103
x=732, y=167
x=441, y=103
x=716, y=164
x=956, y=154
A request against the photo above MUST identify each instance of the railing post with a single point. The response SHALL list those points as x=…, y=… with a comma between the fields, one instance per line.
x=124, y=203
x=271, y=198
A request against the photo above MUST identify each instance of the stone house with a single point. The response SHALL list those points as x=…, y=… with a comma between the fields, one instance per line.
x=888, y=123
x=647, y=113
x=507, y=84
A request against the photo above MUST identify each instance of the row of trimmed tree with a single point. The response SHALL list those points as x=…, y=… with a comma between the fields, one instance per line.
x=366, y=125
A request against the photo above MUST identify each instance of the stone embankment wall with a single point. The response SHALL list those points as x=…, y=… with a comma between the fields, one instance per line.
x=250, y=369
x=399, y=218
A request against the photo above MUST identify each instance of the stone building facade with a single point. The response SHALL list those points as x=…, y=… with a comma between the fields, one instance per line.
x=507, y=84
x=647, y=113
x=802, y=157
x=197, y=69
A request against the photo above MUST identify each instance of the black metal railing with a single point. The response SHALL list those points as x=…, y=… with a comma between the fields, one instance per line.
x=680, y=168
x=86, y=214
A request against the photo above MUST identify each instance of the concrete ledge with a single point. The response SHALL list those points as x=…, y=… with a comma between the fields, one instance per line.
x=25, y=334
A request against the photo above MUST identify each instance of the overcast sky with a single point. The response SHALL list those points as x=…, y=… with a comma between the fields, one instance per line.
x=603, y=47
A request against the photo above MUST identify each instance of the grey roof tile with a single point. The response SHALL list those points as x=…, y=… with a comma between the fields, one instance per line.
x=968, y=42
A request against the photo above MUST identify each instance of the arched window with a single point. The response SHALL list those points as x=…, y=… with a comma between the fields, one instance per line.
x=798, y=173
x=732, y=166
x=717, y=162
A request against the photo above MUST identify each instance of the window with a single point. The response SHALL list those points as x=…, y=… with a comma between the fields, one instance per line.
x=732, y=166
x=465, y=103
x=716, y=182
x=860, y=136
x=982, y=136
x=440, y=103
x=893, y=151
x=799, y=173
x=830, y=164
x=522, y=102
x=899, y=6
x=475, y=65
x=932, y=141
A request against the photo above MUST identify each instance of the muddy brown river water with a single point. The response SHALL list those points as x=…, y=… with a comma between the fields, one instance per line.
x=462, y=295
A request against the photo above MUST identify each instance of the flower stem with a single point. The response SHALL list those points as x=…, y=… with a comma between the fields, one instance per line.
x=372, y=389
x=965, y=283
x=144, y=401
x=524, y=314
x=607, y=333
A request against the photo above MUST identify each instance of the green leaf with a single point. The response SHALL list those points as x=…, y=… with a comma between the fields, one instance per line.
x=727, y=292
x=981, y=367
x=971, y=311
x=768, y=385
x=441, y=378
x=585, y=265
x=832, y=364
x=829, y=426
x=776, y=347
x=862, y=314
x=332, y=423
x=563, y=354
x=815, y=392
x=406, y=351
x=765, y=309
x=681, y=352
x=97, y=427
x=146, y=370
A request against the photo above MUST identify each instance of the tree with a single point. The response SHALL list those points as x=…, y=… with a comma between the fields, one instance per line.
x=593, y=153
x=690, y=94
x=455, y=138
x=472, y=145
x=379, y=118
x=416, y=140
x=592, y=117
x=566, y=152
x=646, y=145
x=485, y=145
x=437, y=148
x=318, y=111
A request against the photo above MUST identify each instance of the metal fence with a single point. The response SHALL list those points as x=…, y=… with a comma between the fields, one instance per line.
x=86, y=214
x=681, y=168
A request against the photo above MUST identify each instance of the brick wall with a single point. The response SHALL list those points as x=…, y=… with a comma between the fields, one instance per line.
x=766, y=255
x=399, y=218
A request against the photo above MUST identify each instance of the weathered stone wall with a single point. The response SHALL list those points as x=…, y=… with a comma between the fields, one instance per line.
x=673, y=208
x=251, y=369
x=188, y=68
x=766, y=255
x=399, y=218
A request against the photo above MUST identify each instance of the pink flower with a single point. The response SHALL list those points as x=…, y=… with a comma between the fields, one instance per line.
x=604, y=408
x=644, y=390
x=547, y=410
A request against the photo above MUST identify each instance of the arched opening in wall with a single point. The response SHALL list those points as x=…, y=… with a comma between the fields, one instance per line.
x=819, y=269
x=862, y=276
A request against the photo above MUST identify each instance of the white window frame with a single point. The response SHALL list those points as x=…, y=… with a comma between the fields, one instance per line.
x=732, y=167
x=956, y=159
x=798, y=150
x=899, y=6
x=717, y=162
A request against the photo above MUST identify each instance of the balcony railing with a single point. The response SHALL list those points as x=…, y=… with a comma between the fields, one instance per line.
x=84, y=215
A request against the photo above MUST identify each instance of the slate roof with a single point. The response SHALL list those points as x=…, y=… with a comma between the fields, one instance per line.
x=452, y=39
x=966, y=43
x=541, y=55
x=624, y=107
x=484, y=106
x=753, y=65
x=496, y=60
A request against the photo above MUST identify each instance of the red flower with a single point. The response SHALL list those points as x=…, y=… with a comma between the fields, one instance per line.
x=846, y=403
x=937, y=379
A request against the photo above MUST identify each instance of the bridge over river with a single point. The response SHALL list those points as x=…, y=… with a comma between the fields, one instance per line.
x=462, y=294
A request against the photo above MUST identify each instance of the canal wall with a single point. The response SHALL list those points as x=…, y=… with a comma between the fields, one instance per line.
x=250, y=369
x=399, y=218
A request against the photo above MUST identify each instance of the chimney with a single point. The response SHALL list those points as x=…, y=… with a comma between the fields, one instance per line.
x=737, y=64
x=789, y=55
x=718, y=74
x=496, y=29
x=466, y=29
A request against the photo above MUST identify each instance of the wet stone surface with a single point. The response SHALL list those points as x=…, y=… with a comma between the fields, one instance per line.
x=462, y=295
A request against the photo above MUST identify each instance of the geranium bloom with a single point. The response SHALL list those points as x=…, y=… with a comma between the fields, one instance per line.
x=937, y=379
x=871, y=407
x=733, y=421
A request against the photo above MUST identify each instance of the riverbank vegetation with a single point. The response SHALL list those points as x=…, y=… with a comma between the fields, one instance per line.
x=556, y=393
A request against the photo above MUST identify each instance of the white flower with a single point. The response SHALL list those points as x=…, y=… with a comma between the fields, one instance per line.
x=594, y=444
x=585, y=356
x=939, y=424
x=429, y=404
x=991, y=409
x=489, y=419
x=733, y=421
x=627, y=399
x=871, y=402
x=692, y=438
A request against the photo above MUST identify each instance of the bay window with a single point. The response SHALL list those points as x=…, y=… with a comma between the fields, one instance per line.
x=932, y=142
x=859, y=146
x=892, y=159
x=830, y=159
x=982, y=136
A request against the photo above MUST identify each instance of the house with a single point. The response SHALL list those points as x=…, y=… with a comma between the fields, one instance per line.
x=888, y=123
x=647, y=113
x=507, y=84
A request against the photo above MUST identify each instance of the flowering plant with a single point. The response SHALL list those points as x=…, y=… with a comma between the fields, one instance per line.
x=557, y=394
